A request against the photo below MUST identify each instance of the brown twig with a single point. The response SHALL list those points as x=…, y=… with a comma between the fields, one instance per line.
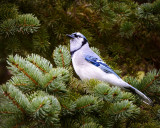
x=54, y=77
x=120, y=111
x=40, y=106
x=20, y=84
x=65, y=107
x=62, y=57
x=85, y=106
x=38, y=66
x=18, y=125
x=6, y=112
x=155, y=77
x=21, y=69
x=14, y=102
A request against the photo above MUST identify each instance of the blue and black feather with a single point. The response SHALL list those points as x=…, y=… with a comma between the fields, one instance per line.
x=99, y=63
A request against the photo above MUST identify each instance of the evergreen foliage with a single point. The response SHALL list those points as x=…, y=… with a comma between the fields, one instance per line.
x=126, y=30
x=41, y=94
x=17, y=32
x=22, y=24
x=45, y=96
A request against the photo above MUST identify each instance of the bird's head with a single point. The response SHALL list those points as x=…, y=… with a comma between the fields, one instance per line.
x=77, y=41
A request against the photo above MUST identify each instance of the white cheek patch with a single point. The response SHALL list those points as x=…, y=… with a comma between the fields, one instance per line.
x=75, y=44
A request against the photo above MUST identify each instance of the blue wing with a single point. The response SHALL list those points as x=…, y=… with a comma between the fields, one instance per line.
x=99, y=63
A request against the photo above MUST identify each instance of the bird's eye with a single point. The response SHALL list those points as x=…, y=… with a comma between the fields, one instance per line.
x=77, y=36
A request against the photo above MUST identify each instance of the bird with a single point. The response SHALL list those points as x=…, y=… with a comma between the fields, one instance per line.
x=88, y=65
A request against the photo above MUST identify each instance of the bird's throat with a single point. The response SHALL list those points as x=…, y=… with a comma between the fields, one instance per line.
x=83, y=43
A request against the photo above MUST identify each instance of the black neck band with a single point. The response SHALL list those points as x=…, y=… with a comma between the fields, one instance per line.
x=83, y=43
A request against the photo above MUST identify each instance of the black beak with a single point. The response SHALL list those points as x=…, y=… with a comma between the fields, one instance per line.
x=70, y=36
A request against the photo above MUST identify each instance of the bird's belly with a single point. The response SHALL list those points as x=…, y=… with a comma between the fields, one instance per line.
x=86, y=70
x=89, y=71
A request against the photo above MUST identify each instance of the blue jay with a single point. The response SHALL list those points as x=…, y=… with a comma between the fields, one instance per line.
x=88, y=65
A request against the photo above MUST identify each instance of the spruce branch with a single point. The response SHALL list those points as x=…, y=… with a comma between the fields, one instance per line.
x=14, y=102
x=8, y=11
x=23, y=83
x=101, y=6
x=123, y=109
x=64, y=106
x=22, y=67
x=41, y=41
x=91, y=125
x=8, y=27
x=68, y=103
x=38, y=66
x=127, y=29
x=43, y=64
x=17, y=97
x=11, y=108
x=98, y=20
x=62, y=56
x=25, y=73
x=87, y=103
x=26, y=23
x=111, y=94
x=55, y=79
x=149, y=81
x=60, y=99
x=156, y=7
x=152, y=81
x=6, y=112
x=46, y=108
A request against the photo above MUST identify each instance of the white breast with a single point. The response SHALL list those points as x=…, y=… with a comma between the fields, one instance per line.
x=86, y=70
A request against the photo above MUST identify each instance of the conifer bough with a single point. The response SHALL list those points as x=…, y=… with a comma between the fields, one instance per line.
x=41, y=95
x=26, y=23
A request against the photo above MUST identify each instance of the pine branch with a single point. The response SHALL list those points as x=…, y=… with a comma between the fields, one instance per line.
x=38, y=66
x=22, y=70
x=53, y=97
x=6, y=112
x=22, y=24
x=123, y=109
x=14, y=102
x=87, y=103
x=113, y=94
x=21, y=65
x=54, y=77
x=66, y=107
x=155, y=78
x=23, y=83
x=46, y=108
x=8, y=11
x=16, y=96
x=44, y=65
x=49, y=81
x=91, y=125
x=66, y=99
x=149, y=79
x=40, y=40
x=62, y=56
